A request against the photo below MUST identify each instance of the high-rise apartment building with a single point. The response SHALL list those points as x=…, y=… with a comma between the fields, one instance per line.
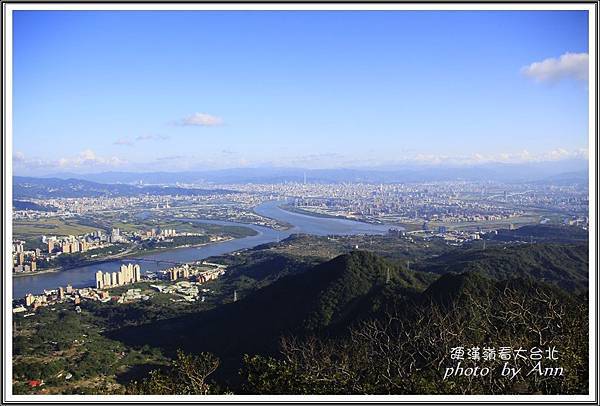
x=99, y=280
x=137, y=273
x=106, y=279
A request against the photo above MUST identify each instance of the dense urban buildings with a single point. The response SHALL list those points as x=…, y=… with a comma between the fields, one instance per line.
x=129, y=273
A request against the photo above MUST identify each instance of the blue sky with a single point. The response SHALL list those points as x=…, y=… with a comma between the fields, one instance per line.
x=196, y=89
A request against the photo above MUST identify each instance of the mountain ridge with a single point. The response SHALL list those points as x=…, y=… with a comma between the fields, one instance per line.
x=41, y=188
x=550, y=172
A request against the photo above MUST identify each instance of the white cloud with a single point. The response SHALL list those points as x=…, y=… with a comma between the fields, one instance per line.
x=568, y=65
x=337, y=160
x=561, y=153
x=314, y=159
x=200, y=119
x=89, y=158
x=20, y=160
x=86, y=159
x=151, y=137
x=123, y=141
x=428, y=158
x=171, y=157
x=146, y=137
x=18, y=156
x=519, y=157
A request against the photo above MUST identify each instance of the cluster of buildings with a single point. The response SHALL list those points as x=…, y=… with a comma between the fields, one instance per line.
x=452, y=237
x=24, y=261
x=187, y=291
x=99, y=239
x=415, y=202
x=239, y=213
x=82, y=205
x=28, y=261
x=178, y=272
x=200, y=274
x=154, y=233
x=76, y=296
x=30, y=214
x=205, y=205
x=456, y=237
x=129, y=273
x=51, y=297
x=67, y=245
x=426, y=206
x=579, y=221
x=82, y=243
x=131, y=295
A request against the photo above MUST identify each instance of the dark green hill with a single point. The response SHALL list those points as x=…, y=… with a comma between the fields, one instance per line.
x=308, y=301
x=338, y=285
x=542, y=233
x=26, y=205
x=486, y=296
x=460, y=289
x=327, y=297
x=333, y=295
x=404, y=350
x=564, y=265
x=452, y=287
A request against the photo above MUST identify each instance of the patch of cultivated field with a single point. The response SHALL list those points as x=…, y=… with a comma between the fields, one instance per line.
x=51, y=226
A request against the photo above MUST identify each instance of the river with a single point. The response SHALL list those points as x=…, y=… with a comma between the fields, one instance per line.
x=84, y=276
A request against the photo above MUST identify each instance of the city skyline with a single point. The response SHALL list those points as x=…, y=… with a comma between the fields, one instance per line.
x=198, y=90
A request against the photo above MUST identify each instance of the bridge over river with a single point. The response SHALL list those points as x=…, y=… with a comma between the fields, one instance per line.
x=155, y=261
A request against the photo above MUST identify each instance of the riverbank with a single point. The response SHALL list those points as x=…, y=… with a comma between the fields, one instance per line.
x=124, y=256
x=293, y=209
x=35, y=273
x=301, y=224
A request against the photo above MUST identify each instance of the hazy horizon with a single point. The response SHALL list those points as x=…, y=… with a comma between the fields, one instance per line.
x=567, y=170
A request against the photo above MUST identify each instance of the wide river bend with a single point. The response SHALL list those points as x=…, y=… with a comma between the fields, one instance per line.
x=84, y=276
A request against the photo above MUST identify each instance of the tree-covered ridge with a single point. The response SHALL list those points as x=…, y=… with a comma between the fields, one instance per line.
x=405, y=350
x=341, y=283
x=404, y=346
x=333, y=302
x=543, y=233
x=295, y=304
x=565, y=265
x=26, y=205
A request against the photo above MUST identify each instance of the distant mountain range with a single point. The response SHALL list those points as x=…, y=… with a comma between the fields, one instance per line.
x=567, y=171
x=165, y=183
x=43, y=188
